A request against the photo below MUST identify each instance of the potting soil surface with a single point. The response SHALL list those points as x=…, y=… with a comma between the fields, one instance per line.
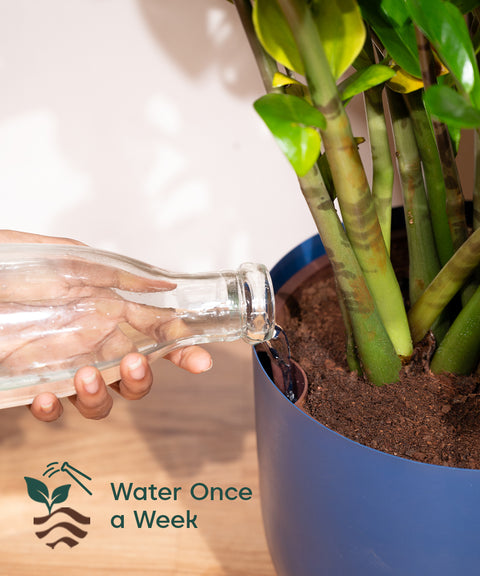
x=425, y=417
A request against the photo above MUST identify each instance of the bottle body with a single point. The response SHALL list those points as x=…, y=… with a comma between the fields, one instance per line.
x=63, y=307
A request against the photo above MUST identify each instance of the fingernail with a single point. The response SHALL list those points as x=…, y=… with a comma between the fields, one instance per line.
x=207, y=365
x=136, y=369
x=90, y=380
x=46, y=406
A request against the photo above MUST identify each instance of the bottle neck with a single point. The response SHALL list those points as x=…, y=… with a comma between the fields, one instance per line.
x=257, y=302
x=224, y=306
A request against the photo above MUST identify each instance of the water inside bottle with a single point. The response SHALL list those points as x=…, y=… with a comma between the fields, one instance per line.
x=279, y=350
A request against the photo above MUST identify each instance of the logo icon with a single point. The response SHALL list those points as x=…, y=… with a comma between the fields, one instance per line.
x=65, y=525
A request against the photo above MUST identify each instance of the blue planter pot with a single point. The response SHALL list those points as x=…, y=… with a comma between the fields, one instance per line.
x=332, y=507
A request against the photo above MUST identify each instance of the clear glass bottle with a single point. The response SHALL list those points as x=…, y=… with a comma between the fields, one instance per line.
x=65, y=306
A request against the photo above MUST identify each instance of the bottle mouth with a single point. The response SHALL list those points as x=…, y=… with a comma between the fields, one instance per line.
x=259, y=310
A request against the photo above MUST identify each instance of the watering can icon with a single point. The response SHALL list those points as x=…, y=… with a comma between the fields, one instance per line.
x=74, y=473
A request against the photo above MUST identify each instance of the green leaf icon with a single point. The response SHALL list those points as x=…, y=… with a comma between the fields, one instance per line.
x=37, y=491
x=60, y=494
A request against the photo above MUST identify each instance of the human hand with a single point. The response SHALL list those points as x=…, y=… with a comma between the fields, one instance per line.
x=92, y=397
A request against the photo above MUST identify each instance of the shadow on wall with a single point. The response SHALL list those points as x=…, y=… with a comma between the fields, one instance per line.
x=188, y=149
x=202, y=35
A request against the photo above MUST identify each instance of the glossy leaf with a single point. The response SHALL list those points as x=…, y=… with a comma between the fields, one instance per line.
x=341, y=30
x=274, y=34
x=293, y=122
x=399, y=40
x=444, y=26
x=396, y=11
x=364, y=79
x=450, y=107
x=340, y=26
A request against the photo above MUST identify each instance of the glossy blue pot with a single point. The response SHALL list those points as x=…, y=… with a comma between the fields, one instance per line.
x=332, y=507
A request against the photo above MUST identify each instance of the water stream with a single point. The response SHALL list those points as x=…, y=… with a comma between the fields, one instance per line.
x=279, y=350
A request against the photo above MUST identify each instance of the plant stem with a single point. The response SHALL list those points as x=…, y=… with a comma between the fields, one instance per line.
x=265, y=63
x=358, y=210
x=382, y=179
x=424, y=264
x=444, y=286
x=476, y=187
x=455, y=205
x=434, y=179
x=459, y=350
x=377, y=354
x=353, y=360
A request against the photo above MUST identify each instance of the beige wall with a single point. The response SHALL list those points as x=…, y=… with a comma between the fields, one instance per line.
x=128, y=124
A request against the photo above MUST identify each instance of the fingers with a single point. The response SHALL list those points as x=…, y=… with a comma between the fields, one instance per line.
x=191, y=358
x=137, y=377
x=46, y=407
x=92, y=399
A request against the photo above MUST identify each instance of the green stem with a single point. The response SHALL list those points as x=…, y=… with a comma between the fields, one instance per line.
x=444, y=286
x=423, y=259
x=265, y=63
x=432, y=169
x=454, y=202
x=375, y=350
x=353, y=360
x=358, y=210
x=382, y=178
x=459, y=351
x=476, y=188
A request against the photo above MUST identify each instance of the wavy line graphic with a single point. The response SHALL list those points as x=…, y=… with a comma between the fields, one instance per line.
x=80, y=518
x=67, y=525
x=66, y=540
x=70, y=527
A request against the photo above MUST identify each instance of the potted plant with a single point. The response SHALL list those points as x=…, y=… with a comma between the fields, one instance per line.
x=415, y=63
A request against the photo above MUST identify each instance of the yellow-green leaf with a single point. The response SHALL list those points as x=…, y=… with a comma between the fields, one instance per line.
x=280, y=80
x=273, y=32
x=403, y=82
x=342, y=31
x=339, y=24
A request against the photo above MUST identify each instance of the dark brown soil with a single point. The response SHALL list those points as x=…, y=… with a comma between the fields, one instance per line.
x=434, y=419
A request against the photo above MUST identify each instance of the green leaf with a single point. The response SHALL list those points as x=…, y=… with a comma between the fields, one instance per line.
x=364, y=79
x=37, y=490
x=444, y=26
x=449, y=107
x=399, y=40
x=60, y=494
x=274, y=34
x=396, y=11
x=293, y=122
x=342, y=31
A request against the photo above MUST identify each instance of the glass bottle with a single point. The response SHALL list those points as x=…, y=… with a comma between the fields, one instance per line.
x=67, y=306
